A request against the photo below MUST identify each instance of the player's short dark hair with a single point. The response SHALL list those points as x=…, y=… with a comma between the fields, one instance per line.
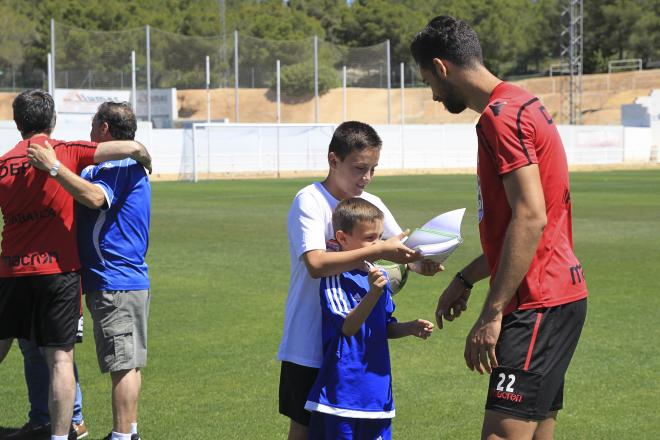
x=120, y=119
x=446, y=38
x=349, y=212
x=34, y=112
x=353, y=136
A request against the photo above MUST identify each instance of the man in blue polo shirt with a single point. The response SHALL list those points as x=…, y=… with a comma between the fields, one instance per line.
x=113, y=235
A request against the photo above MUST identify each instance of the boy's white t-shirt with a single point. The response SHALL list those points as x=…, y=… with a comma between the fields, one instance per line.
x=309, y=226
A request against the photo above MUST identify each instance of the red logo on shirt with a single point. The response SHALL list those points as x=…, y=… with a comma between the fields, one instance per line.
x=32, y=259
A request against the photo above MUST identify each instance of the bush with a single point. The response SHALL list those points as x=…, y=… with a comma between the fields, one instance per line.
x=298, y=79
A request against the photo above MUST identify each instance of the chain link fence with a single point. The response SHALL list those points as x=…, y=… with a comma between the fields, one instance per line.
x=239, y=78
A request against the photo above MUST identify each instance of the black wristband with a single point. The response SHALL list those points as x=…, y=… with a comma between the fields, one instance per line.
x=464, y=282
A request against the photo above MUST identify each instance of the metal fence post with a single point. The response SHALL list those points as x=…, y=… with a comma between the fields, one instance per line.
x=208, y=89
x=52, y=55
x=133, y=82
x=236, y=116
x=343, y=85
x=277, y=77
x=316, y=79
x=403, y=112
x=148, y=73
x=389, y=84
x=50, y=73
x=403, y=118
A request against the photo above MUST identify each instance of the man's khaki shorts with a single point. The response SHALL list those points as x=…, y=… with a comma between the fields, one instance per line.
x=120, y=328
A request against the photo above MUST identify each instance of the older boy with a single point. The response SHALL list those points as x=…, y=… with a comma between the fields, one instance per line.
x=352, y=157
x=352, y=395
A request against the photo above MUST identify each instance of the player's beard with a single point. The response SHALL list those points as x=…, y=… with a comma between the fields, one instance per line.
x=452, y=102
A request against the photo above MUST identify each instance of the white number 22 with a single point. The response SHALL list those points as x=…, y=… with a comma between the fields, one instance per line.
x=509, y=387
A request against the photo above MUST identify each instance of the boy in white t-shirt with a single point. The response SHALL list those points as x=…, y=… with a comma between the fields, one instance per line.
x=352, y=157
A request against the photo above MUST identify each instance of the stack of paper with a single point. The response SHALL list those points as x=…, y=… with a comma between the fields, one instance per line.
x=439, y=237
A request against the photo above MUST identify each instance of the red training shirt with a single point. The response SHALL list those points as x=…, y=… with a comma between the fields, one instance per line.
x=38, y=236
x=514, y=131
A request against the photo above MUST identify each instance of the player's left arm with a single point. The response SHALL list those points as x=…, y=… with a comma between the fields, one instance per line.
x=82, y=191
x=528, y=218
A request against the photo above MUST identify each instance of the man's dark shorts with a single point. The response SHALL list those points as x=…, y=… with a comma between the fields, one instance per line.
x=44, y=308
x=295, y=383
x=534, y=350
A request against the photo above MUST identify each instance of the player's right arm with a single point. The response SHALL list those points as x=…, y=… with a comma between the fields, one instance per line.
x=116, y=150
x=321, y=263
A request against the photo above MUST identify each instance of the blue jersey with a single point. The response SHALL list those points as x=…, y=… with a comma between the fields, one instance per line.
x=113, y=241
x=355, y=378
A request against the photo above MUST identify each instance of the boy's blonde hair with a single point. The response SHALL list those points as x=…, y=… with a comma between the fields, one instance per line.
x=350, y=211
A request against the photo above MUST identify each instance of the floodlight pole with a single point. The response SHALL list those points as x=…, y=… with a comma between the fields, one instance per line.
x=572, y=52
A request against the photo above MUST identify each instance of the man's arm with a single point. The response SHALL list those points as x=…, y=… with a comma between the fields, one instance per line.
x=321, y=263
x=528, y=218
x=82, y=191
x=116, y=150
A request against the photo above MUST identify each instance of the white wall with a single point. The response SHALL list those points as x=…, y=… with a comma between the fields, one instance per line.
x=254, y=148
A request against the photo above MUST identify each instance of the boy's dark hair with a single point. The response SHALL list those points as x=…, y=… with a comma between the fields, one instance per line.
x=446, y=38
x=353, y=136
x=120, y=119
x=34, y=112
x=350, y=211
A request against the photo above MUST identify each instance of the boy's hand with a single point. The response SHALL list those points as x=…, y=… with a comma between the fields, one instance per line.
x=393, y=249
x=426, y=267
x=40, y=157
x=377, y=280
x=421, y=328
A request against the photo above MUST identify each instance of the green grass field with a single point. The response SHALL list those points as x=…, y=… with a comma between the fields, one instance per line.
x=219, y=266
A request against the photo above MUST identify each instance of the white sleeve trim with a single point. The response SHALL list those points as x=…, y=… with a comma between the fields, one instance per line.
x=353, y=413
x=107, y=197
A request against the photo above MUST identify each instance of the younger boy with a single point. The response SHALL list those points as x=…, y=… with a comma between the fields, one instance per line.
x=352, y=395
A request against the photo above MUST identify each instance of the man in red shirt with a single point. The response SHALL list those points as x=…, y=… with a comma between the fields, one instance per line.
x=535, y=308
x=39, y=282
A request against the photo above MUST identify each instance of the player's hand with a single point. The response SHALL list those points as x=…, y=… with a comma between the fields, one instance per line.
x=452, y=302
x=377, y=280
x=421, y=328
x=426, y=267
x=41, y=157
x=393, y=249
x=480, y=344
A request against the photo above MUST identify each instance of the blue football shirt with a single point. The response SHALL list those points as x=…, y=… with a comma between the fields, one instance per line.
x=113, y=241
x=355, y=378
